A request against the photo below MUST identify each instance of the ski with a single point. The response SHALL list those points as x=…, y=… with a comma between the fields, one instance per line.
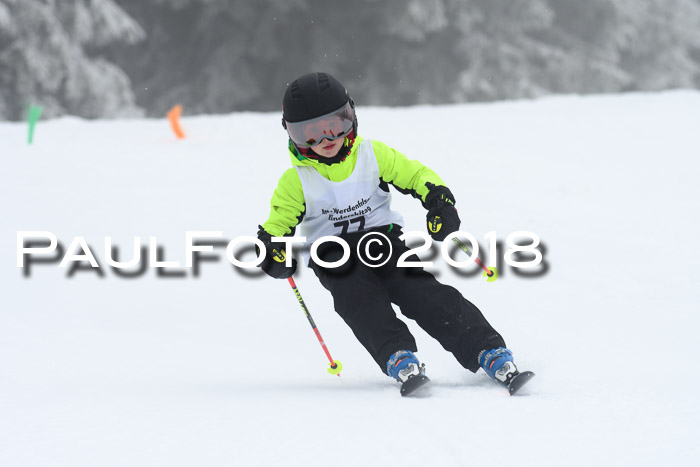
x=518, y=380
x=414, y=383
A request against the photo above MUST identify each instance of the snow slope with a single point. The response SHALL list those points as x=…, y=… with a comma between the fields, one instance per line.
x=223, y=369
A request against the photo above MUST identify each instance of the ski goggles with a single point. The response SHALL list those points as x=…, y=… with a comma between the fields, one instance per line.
x=333, y=125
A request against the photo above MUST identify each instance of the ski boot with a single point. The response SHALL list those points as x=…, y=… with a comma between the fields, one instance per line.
x=498, y=364
x=405, y=368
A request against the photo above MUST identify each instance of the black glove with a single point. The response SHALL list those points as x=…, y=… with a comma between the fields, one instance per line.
x=275, y=258
x=442, y=218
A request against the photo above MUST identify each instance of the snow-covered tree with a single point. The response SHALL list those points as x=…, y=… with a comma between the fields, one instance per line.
x=91, y=57
x=615, y=45
x=663, y=43
x=48, y=57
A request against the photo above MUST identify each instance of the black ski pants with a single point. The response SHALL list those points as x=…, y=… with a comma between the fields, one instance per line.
x=363, y=298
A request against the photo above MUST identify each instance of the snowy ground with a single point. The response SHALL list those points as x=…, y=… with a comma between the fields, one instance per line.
x=223, y=369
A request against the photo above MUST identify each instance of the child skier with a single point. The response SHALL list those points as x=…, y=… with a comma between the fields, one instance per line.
x=339, y=185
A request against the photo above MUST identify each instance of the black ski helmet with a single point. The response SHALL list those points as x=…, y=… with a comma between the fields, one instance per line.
x=313, y=95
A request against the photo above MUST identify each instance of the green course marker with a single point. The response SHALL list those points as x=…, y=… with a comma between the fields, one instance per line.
x=32, y=118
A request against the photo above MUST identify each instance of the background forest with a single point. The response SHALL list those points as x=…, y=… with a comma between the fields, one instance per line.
x=121, y=58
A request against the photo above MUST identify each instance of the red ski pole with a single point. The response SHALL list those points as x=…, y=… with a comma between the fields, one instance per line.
x=491, y=274
x=334, y=367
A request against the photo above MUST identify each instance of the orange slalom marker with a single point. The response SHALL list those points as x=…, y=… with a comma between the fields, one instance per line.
x=174, y=117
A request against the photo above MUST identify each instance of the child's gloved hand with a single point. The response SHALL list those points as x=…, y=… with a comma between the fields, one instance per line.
x=442, y=218
x=275, y=259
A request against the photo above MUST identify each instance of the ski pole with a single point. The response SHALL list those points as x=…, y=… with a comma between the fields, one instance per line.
x=334, y=367
x=491, y=274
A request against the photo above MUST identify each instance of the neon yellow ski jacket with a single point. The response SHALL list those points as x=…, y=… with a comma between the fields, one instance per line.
x=287, y=206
